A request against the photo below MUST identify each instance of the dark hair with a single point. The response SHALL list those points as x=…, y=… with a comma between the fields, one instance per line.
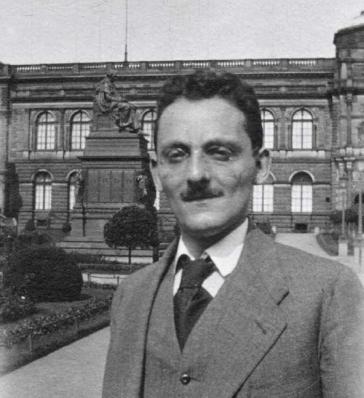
x=204, y=84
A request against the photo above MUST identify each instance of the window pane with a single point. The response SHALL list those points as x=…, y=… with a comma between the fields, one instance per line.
x=296, y=136
x=257, y=198
x=43, y=192
x=268, y=129
x=39, y=190
x=148, y=126
x=72, y=196
x=302, y=198
x=80, y=129
x=47, y=197
x=268, y=198
x=302, y=128
x=307, y=198
x=296, y=198
x=46, y=132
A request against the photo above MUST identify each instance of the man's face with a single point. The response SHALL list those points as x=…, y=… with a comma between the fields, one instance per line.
x=205, y=165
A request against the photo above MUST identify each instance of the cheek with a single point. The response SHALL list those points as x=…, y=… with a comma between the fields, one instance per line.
x=239, y=180
x=169, y=180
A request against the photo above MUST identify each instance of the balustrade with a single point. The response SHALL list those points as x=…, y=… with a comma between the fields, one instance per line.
x=155, y=66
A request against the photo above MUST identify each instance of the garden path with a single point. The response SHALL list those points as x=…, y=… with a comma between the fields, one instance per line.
x=74, y=371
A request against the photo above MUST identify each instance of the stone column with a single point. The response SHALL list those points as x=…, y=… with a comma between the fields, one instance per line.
x=4, y=126
x=349, y=103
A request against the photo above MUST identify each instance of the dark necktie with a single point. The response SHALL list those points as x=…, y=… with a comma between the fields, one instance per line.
x=191, y=298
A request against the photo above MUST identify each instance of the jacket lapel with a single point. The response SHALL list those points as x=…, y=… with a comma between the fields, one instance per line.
x=135, y=311
x=251, y=320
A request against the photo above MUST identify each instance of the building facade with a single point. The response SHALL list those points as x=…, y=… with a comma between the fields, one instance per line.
x=312, y=113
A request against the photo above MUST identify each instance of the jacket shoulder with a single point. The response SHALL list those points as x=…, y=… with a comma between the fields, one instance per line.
x=310, y=269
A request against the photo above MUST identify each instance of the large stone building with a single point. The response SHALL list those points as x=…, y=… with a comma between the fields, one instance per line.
x=312, y=111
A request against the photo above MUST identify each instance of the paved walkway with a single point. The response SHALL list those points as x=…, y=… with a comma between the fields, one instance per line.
x=76, y=370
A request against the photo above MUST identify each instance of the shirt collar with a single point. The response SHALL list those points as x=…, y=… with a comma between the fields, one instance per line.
x=225, y=253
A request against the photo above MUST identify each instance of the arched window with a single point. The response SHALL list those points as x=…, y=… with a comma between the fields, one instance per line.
x=46, y=132
x=263, y=197
x=43, y=191
x=80, y=129
x=72, y=190
x=302, y=130
x=301, y=193
x=148, y=127
x=268, y=128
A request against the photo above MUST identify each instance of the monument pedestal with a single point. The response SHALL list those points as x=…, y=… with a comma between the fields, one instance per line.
x=113, y=164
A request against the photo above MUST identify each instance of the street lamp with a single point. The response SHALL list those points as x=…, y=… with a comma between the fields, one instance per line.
x=343, y=184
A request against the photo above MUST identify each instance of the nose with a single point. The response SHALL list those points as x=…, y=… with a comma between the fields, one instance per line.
x=198, y=169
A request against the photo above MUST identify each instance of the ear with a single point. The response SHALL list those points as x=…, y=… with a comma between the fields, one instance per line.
x=153, y=164
x=263, y=160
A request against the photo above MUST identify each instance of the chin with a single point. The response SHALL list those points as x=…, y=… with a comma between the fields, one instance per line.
x=203, y=226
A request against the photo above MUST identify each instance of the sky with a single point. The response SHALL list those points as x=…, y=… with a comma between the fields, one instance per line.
x=61, y=31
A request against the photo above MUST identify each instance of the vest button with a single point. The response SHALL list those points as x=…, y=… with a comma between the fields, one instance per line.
x=185, y=379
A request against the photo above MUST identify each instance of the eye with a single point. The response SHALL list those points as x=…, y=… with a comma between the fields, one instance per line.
x=220, y=152
x=176, y=154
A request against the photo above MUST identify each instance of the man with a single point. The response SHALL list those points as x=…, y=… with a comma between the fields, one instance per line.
x=260, y=319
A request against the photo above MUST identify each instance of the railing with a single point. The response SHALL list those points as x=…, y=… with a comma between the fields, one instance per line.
x=274, y=64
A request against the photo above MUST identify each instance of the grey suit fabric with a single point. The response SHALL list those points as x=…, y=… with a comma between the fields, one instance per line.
x=284, y=324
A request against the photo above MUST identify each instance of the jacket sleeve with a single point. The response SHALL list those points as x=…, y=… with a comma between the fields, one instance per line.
x=341, y=339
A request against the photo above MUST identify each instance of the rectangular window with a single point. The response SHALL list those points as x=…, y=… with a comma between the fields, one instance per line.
x=296, y=136
x=72, y=196
x=43, y=197
x=46, y=137
x=269, y=135
x=306, y=135
x=301, y=200
x=263, y=198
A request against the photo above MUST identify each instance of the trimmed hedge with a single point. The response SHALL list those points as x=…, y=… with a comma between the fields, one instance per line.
x=111, y=267
x=43, y=274
x=50, y=323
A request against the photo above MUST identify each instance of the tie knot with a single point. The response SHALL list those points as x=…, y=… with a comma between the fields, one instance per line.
x=194, y=272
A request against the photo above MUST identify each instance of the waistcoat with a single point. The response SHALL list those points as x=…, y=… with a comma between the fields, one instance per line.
x=168, y=372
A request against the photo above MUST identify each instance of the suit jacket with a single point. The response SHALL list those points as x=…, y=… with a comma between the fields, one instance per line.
x=292, y=326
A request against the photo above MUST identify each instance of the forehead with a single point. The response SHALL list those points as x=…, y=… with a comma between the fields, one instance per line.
x=210, y=118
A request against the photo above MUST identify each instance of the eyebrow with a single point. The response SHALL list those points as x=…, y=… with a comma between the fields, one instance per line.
x=221, y=142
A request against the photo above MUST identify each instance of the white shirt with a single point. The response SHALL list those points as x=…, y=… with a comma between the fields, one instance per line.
x=225, y=255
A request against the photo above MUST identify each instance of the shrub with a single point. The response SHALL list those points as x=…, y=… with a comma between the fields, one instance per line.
x=66, y=227
x=14, y=307
x=132, y=226
x=351, y=216
x=29, y=226
x=28, y=239
x=44, y=274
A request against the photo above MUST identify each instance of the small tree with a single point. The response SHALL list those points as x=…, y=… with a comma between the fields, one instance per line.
x=132, y=226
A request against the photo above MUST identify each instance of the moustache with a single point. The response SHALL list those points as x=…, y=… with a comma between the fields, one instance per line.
x=192, y=194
